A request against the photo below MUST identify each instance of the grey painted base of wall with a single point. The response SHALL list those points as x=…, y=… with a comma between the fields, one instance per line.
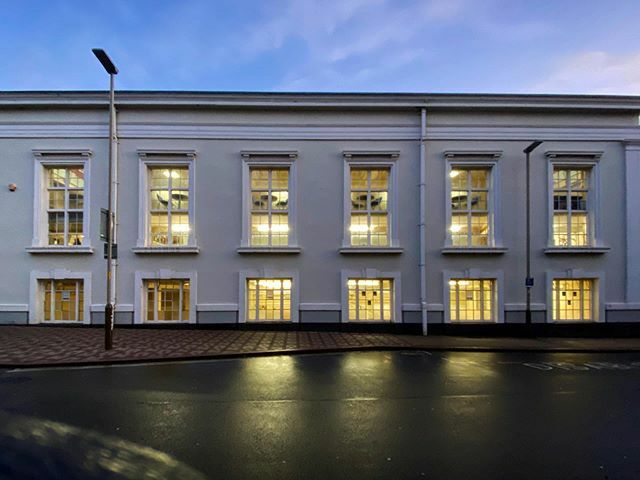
x=214, y=318
x=14, y=318
x=520, y=317
x=122, y=318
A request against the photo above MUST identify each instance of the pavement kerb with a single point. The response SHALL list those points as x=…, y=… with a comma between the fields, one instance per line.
x=271, y=353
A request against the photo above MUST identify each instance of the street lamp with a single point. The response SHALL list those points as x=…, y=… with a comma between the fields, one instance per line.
x=111, y=252
x=529, y=278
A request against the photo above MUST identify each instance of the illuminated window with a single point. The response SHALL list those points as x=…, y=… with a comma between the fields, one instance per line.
x=369, y=214
x=472, y=300
x=470, y=207
x=370, y=300
x=65, y=205
x=167, y=300
x=573, y=300
x=571, y=207
x=269, y=299
x=63, y=300
x=169, y=205
x=269, y=207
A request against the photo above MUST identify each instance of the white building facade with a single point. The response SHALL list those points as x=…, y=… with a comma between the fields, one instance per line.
x=359, y=209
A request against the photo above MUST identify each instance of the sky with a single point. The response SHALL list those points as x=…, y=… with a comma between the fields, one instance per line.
x=459, y=46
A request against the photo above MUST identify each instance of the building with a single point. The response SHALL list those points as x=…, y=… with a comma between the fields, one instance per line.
x=259, y=207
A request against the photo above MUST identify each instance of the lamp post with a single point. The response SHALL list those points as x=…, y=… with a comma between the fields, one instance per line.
x=529, y=279
x=110, y=230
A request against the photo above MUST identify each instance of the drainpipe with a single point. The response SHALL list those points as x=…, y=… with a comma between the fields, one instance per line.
x=421, y=224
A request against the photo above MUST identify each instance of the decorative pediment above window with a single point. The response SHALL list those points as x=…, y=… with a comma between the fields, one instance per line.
x=480, y=154
x=371, y=153
x=567, y=154
x=64, y=153
x=269, y=153
x=175, y=154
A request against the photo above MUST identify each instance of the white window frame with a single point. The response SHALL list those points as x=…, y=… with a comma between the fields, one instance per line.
x=140, y=312
x=36, y=295
x=578, y=274
x=164, y=159
x=371, y=160
x=268, y=159
x=474, y=274
x=373, y=274
x=43, y=160
x=475, y=160
x=576, y=160
x=268, y=273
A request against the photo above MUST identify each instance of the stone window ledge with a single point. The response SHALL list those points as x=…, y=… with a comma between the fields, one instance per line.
x=269, y=250
x=576, y=250
x=371, y=250
x=165, y=250
x=473, y=250
x=74, y=250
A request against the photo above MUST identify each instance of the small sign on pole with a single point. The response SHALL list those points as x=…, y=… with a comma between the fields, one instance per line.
x=529, y=282
x=104, y=224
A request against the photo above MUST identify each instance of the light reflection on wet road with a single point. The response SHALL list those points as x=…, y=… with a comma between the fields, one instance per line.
x=360, y=414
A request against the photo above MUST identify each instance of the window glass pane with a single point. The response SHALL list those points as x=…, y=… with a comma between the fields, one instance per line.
x=359, y=180
x=559, y=201
x=75, y=228
x=572, y=299
x=260, y=229
x=560, y=229
x=56, y=199
x=180, y=178
x=160, y=200
x=579, y=229
x=180, y=200
x=560, y=179
x=458, y=179
x=579, y=179
x=359, y=201
x=479, y=230
x=159, y=229
x=459, y=230
x=179, y=228
x=379, y=201
x=379, y=229
x=579, y=201
x=359, y=230
x=458, y=200
x=280, y=229
x=76, y=178
x=57, y=177
x=279, y=200
x=370, y=299
x=56, y=228
x=63, y=300
x=479, y=201
x=259, y=179
x=159, y=177
x=479, y=178
x=76, y=200
x=280, y=179
x=379, y=179
x=471, y=300
x=269, y=299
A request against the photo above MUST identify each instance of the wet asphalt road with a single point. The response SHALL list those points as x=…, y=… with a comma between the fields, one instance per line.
x=358, y=415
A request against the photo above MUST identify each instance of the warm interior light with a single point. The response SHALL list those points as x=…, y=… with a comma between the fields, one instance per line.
x=359, y=228
x=454, y=173
x=180, y=228
x=462, y=283
x=273, y=284
x=173, y=174
x=279, y=228
x=455, y=228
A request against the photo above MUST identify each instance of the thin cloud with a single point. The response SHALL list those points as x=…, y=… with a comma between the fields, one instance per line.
x=594, y=72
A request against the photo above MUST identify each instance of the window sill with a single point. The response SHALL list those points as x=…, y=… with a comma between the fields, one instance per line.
x=76, y=250
x=574, y=250
x=165, y=250
x=268, y=250
x=369, y=250
x=473, y=250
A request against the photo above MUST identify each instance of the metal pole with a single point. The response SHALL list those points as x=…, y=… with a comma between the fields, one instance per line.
x=528, y=311
x=110, y=303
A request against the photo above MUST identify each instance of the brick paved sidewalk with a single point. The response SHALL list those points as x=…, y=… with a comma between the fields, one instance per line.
x=35, y=346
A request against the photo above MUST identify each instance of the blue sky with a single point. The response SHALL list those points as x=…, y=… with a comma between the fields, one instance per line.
x=495, y=46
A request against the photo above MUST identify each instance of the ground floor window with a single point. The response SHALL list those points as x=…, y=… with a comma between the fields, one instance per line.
x=472, y=300
x=63, y=300
x=370, y=300
x=167, y=300
x=572, y=300
x=269, y=299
